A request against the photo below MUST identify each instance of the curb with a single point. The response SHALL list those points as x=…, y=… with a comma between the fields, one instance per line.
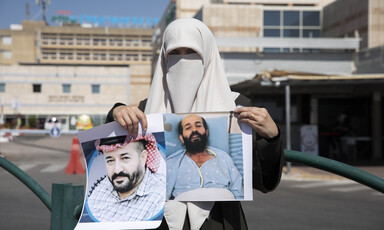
x=298, y=173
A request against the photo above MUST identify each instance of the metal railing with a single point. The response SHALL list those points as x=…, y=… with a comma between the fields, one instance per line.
x=67, y=199
x=64, y=203
x=337, y=168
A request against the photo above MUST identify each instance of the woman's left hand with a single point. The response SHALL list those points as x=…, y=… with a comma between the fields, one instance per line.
x=259, y=119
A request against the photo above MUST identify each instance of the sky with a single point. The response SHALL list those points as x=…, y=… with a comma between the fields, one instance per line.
x=14, y=11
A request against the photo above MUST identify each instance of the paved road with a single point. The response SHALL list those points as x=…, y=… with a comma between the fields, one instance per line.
x=296, y=204
x=316, y=205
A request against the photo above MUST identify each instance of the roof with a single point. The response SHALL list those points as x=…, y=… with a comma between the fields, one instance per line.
x=263, y=82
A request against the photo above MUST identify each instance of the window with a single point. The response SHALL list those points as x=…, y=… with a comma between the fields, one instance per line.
x=2, y=87
x=311, y=33
x=311, y=18
x=7, y=54
x=291, y=18
x=7, y=40
x=291, y=33
x=99, y=41
x=83, y=56
x=271, y=18
x=271, y=33
x=49, y=54
x=66, y=88
x=271, y=50
x=95, y=88
x=36, y=88
x=66, y=55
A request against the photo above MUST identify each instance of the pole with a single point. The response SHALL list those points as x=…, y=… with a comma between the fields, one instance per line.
x=288, y=121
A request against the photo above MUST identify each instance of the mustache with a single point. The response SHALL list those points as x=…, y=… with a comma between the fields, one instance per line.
x=115, y=175
x=194, y=133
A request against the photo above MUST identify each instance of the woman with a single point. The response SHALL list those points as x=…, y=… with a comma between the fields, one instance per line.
x=190, y=77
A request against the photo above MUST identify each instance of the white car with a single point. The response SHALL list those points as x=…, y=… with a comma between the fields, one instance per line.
x=51, y=122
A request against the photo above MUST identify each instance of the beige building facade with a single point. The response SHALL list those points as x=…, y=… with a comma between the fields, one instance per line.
x=348, y=18
x=72, y=70
x=62, y=90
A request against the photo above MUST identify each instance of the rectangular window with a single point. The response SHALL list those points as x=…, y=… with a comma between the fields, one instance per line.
x=291, y=18
x=7, y=41
x=311, y=33
x=66, y=88
x=2, y=87
x=291, y=33
x=271, y=33
x=36, y=88
x=271, y=18
x=7, y=54
x=95, y=88
x=271, y=50
x=311, y=18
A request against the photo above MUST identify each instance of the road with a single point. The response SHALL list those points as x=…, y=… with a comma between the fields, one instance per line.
x=295, y=204
x=316, y=205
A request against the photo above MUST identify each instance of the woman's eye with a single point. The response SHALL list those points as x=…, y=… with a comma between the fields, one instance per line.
x=174, y=52
x=191, y=51
x=182, y=51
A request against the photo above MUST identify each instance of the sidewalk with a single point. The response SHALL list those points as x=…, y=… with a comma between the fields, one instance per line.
x=310, y=173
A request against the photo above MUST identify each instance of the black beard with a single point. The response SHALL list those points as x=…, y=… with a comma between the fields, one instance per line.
x=133, y=179
x=196, y=146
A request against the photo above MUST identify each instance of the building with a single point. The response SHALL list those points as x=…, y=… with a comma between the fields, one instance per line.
x=71, y=69
x=346, y=18
x=263, y=43
x=325, y=60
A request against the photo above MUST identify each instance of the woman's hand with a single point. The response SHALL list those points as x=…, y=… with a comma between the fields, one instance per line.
x=129, y=117
x=259, y=119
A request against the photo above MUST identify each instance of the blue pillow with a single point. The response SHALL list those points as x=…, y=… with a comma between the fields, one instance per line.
x=217, y=131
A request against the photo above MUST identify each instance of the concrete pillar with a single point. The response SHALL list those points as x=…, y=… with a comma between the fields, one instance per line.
x=314, y=110
x=377, y=142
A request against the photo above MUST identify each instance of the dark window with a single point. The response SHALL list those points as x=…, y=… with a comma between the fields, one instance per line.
x=311, y=18
x=36, y=88
x=66, y=88
x=288, y=50
x=271, y=33
x=95, y=88
x=271, y=18
x=2, y=87
x=271, y=50
x=291, y=33
x=311, y=33
x=291, y=18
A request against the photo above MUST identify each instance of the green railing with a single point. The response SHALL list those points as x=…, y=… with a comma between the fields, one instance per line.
x=65, y=204
x=67, y=199
x=337, y=168
x=28, y=181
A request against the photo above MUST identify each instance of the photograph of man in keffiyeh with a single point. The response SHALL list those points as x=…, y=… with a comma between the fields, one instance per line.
x=132, y=190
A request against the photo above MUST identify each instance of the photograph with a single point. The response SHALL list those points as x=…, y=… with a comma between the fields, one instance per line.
x=125, y=177
x=206, y=155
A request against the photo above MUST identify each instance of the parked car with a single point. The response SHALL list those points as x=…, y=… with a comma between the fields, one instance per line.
x=84, y=122
x=51, y=122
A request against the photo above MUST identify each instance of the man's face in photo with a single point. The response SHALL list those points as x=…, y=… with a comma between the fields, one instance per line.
x=125, y=167
x=194, y=134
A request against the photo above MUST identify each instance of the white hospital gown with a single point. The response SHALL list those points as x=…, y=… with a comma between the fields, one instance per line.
x=219, y=172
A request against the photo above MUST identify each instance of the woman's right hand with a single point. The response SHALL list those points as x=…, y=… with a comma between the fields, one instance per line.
x=129, y=117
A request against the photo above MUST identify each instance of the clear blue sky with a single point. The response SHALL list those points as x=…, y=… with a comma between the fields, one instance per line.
x=14, y=11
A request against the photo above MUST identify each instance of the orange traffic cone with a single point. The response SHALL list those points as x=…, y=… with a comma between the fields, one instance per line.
x=75, y=164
